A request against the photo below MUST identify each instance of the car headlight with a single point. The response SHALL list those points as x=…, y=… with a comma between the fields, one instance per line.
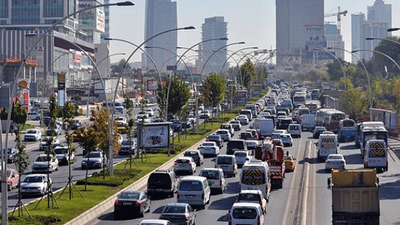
x=83, y=162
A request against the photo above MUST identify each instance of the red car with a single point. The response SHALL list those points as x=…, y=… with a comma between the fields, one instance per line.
x=12, y=179
x=254, y=132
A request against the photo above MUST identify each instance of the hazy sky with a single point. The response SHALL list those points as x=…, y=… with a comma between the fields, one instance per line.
x=252, y=21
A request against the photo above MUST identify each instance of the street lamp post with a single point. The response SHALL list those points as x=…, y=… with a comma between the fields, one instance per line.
x=337, y=59
x=200, y=54
x=4, y=174
x=116, y=88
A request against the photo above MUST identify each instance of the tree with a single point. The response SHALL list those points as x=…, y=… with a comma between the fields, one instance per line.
x=335, y=70
x=131, y=124
x=179, y=96
x=353, y=101
x=393, y=51
x=21, y=158
x=247, y=74
x=213, y=89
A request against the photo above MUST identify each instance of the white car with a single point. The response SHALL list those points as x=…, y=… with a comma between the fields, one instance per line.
x=34, y=116
x=215, y=178
x=246, y=213
x=209, y=148
x=225, y=134
x=287, y=140
x=253, y=196
x=243, y=119
x=42, y=163
x=121, y=120
x=335, y=161
x=127, y=147
x=186, y=164
x=252, y=144
x=142, y=118
x=154, y=222
x=93, y=160
x=242, y=157
x=35, y=184
x=236, y=125
x=277, y=134
x=149, y=112
x=205, y=114
x=43, y=143
x=63, y=155
x=33, y=135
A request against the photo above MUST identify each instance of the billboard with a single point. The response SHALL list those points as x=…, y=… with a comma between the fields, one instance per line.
x=155, y=135
x=100, y=20
x=152, y=85
x=315, y=37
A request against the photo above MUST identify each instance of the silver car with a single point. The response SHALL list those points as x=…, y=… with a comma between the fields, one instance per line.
x=215, y=178
x=185, y=164
x=225, y=134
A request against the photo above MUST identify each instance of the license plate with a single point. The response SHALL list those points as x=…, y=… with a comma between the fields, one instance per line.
x=190, y=196
x=127, y=203
x=372, y=161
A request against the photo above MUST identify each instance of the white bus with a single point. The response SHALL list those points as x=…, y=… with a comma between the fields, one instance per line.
x=255, y=176
x=299, y=99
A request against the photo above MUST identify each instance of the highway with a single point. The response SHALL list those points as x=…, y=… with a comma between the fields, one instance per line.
x=281, y=209
x=60, y=178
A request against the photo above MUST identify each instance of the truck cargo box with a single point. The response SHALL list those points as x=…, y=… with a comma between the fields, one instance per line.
x=354, y=178
x=355, y=200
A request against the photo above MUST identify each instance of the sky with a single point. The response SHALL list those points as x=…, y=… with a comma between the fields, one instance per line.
x=251, y=21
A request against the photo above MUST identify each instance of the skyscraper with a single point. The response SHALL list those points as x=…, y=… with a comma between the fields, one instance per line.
x=334, y=39
x=160, y=16
x=213, y=27
x=379, y=19
x=299, y=29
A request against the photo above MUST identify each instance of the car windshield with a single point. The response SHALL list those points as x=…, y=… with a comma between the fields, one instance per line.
x=224, y=160
x=235, y=145
x=60, y=150
x=210, y=175
x=93, y=155
x=182, y=161
x=213, y=137
x=130, y=195
x=209, y=144
x=31, y=132
x=240, y=154
x=33, y=179
x=244, y=213
x=174, y=209
x=249, y=197
x=225, y=127
x=42, y=158
x=127, y=143
x=190, y=186
x=190, y=153
x=335, y=157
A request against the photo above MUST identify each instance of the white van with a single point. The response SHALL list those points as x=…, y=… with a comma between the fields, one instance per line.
x=246, y=213
x=264, y=127
x=253, y=109
x=193, y=190
x=227, y=163
x=255, y=176
x=327, y=144
x=215, y=177
x=294, y=130
x=376, y=155
x=248, y=113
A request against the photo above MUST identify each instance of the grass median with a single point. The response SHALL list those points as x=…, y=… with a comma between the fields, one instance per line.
x=123, y=177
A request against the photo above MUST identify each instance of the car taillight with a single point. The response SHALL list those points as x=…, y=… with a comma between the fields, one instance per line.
x=202, y=196
x=190, y=163
x=260, y=202
x=116, y=202
x=162, y=217
x=138, y=203
x=187, y=217
x=240, y=188
x=177, y=195
x=258, y=220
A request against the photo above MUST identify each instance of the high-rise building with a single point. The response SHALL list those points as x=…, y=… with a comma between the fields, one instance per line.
x=161, y=15
x=379, y=19
x=334, y=39
x=213, y=28
x=91, y=22
x=299, y=29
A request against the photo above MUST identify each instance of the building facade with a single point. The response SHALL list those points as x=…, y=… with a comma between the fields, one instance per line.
x=334, y=39
x=299, y=29
x=213, y=28
x=161, y=15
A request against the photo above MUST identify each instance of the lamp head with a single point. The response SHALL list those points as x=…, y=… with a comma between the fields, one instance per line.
x=147, y=46
x=369, y=38
x=241, y=43
x=392, y=29
x=189, y=28
x=255, y=47
x=223, y=39
x=329, y=48
x=354, y=51
x=107, y=39
x=126, y=3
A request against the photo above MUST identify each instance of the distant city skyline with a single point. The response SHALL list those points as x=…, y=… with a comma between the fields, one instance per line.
x=255, y=25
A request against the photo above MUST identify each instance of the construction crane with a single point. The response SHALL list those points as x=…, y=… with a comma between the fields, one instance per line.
x=338, y=14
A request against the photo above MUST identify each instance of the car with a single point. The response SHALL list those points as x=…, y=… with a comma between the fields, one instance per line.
x=162, y=182
x=12, y=179
x=35, y=184
x=76, y=124
x=57, y=131
x=252, y=144
x=193, y=190
x=149, y=112
x=253, y=196
x=287, y=140
x=176, y=126
x=43, y=142
x=142, y=117
x=179, y=213
x=154, y=222
x=236, y=125
x=205, y=114
x=33, y=116
x=45, y=163
x=122, y=127
x=209, y=148
x=243, y=119
x=225, y=134
x=127, y=147
x=277, y=133
x=185, y=164
x=11, y=152
x=254, y=132
x=93, y=160
x=33, y=135
x=192, y=119
x=228, y=127
x=217, y=139
x=186, y=124
x=290, y=163
x=242, y=157
x=215, y=178
x=131, y=203
x=294, y=130
x=318, y=130
x=247, y=136
x=335, y=161
x=64, y=156
x=196, y=155
x=246, y=213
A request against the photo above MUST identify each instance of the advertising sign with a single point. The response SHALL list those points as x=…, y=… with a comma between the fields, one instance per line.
x=155, y=135
x=77, y=57
x=152, y=85
x=61, y=81
x=100, y=20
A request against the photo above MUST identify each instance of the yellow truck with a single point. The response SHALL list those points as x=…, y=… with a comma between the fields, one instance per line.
x=355, y=196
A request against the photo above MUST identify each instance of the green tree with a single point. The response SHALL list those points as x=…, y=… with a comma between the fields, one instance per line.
x=247, y=74
x=213, y=89
x=335, y=70
x=393, y=51
x=353, y=102
x=131, y=124
x=179, y=96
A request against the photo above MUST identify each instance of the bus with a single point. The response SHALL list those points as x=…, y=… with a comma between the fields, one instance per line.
x=372, y=130
x=332, y=119
x=319, y=116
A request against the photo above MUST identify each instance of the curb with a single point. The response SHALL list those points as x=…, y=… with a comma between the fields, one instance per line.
x=98, y=209
x=304, y=189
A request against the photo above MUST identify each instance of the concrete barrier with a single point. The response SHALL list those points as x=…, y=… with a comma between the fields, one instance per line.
x=109, y=202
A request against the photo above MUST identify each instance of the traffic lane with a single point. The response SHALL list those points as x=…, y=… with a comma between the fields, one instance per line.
x=217, y=211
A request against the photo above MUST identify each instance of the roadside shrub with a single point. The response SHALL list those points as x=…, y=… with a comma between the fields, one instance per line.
x=120, y=176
